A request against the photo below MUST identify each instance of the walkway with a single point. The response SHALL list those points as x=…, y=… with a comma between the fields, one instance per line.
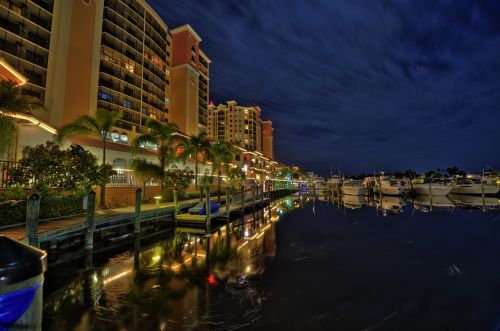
x=19, y=232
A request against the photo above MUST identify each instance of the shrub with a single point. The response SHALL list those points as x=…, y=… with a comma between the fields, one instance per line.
x=47, y=166
x=13, y=193
x=13, y=212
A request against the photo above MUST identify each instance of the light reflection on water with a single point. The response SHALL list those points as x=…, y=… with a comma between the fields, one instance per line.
x=218, y=280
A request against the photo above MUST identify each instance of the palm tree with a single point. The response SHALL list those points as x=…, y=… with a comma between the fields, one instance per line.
x=160, y=135
x=221, y=153
x=195, y=145
x=12, y=103
x=145, y=171
x=99, y=126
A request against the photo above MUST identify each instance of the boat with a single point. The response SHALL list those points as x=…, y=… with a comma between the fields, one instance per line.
x=473, y=187
x=387, y=186
x=424, y=186
x=352, y=187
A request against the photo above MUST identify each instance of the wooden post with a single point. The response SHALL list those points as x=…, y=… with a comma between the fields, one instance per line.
x=89, y=235
x=32, y=216
x=176, y=203
x=483, y=196
x=138, y=199
x=228, y=199
x=201, y=193
x=430, y=194
x=207, y=204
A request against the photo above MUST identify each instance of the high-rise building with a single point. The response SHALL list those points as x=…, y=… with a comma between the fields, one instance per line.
x=79, y=55
x=190, y=78
x=25, y=41
x=239, y=125
x=267, y=139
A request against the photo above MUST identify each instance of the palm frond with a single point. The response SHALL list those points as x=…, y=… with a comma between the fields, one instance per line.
x=74, y=129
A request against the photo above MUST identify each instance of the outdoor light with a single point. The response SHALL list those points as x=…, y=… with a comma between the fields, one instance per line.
x=157, y=199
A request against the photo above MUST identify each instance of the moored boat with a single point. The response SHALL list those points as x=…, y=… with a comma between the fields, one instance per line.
x=352, y=187
x=473, y=187
x=387, y=186
x=423, y=186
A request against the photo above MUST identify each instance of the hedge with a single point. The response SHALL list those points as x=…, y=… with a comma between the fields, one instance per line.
x=12, y=212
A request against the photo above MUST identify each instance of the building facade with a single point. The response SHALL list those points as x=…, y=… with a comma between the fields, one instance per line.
x=268, y=139
x=236, y=124
x=190, y=76
x=78, y=55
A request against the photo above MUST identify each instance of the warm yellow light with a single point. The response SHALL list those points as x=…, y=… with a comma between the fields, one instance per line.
x=14, y=72
x=30, y=119
x=113, y=278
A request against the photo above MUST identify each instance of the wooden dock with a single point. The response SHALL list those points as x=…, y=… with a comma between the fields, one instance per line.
x=123, y=222
x=236, y=203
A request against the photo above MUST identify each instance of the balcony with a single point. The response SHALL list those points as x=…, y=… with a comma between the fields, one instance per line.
x=43, y=4
x=39, y=21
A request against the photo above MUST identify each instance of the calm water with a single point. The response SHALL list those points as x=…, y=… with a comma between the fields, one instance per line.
x=301, y=264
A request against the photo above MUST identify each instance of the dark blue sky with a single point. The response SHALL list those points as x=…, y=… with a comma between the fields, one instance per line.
x=364, y=85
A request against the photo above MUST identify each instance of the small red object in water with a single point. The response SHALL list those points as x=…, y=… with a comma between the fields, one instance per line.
x=212, y=280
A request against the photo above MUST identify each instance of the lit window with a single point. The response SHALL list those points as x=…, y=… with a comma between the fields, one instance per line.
x=129, y=67
x=115, y=136
x=124, y=137
x=105, y=96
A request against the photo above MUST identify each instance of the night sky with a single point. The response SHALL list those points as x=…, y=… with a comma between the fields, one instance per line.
x=360, y=85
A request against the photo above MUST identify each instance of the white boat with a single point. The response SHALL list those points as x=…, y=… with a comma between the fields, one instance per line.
x=387, y=186
x=423, y=186
x=473, y=187
x=352, y=187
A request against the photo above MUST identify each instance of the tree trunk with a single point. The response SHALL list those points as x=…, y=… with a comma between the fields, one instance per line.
x=196, y=169
x=162, y=165
x=103, y=184
x=143, y=190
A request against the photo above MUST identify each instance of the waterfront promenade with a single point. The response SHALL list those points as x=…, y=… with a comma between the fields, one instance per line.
x=19, y=232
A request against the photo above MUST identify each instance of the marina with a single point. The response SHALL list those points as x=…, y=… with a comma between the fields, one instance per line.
x=244, y=273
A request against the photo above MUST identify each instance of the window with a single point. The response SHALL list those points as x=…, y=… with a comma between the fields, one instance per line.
x=127, y=103
x=129, y=67
x=105, y=97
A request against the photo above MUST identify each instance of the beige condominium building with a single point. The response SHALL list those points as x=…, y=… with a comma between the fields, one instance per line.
x=243, y=126
x=78, y=55
x=190, y=76
x=236, y=124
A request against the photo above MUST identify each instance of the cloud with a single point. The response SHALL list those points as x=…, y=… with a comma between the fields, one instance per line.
x=368, y=84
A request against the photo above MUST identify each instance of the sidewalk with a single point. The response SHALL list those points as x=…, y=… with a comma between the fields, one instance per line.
x=19, y=232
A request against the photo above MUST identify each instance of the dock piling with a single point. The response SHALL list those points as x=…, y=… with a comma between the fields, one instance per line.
x=32, y=216
x=89, y=235
x=176, y=203
x=207, y=207
x=228, y=199
x=137, y=221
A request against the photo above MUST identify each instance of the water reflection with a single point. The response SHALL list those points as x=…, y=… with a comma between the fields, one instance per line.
x=181, y=280
x=168, y=284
